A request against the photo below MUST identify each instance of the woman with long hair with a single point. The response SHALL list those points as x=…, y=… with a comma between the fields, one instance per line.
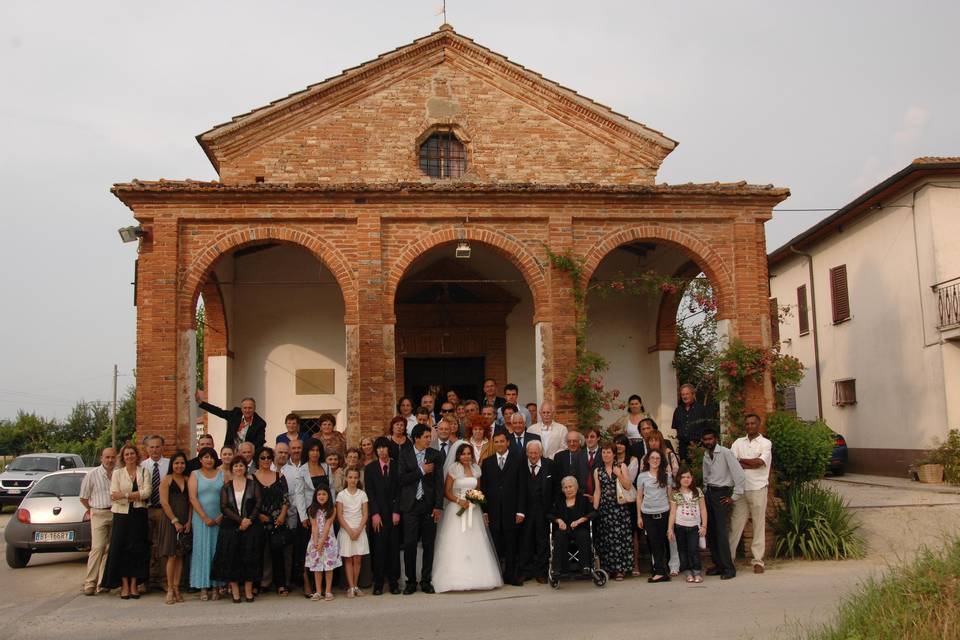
x=653, y=505
x=175, y=527
x=312, y=475
x=128, y=560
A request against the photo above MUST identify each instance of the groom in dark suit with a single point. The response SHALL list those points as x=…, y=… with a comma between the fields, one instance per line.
x=421, y=499
x=503, y=483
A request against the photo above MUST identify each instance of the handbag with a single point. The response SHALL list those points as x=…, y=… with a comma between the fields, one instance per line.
x=625, y=496
x=280, y=537
x=184, y=543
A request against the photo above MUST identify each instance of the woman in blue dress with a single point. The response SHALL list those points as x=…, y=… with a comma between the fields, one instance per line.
x=205, y=485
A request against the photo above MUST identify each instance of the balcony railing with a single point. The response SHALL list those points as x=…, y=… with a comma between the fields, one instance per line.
x=948, y=302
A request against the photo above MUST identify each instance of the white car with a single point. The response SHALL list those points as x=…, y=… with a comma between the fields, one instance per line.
x=50, y=518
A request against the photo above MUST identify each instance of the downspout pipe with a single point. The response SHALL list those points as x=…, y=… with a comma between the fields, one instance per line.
x=816, y=331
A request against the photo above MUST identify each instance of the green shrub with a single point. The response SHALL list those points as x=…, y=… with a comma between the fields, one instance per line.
x=947, y=454
x=815, y=524
x=801, y=450
x=919, y=600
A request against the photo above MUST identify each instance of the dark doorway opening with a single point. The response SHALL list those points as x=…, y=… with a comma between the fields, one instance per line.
x=463, y=375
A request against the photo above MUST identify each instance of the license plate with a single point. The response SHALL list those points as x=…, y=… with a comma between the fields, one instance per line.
x=14, y=492
x=53, y=536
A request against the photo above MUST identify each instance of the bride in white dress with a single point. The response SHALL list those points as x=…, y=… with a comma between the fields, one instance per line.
x=464, y=558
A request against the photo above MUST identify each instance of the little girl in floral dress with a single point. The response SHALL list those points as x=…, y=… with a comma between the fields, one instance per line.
x=323, y=552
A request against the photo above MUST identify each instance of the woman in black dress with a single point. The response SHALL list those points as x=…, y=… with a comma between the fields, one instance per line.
x=175, y=501
x=571, y=515
x=239, y=556
x=397, y=436
x=278, y=539
x=128, y=560
x=615, y=530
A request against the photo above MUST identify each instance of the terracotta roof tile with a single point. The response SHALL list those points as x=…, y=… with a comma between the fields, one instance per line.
x=937, y=160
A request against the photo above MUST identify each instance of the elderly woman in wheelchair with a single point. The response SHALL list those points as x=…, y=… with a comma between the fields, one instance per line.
x=570, y=529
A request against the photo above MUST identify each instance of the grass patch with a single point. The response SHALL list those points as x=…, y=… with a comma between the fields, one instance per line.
x=919, y=600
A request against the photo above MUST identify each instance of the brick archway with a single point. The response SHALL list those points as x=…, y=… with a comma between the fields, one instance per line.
x=192, y=277
x=700, y=253
x=508, y=247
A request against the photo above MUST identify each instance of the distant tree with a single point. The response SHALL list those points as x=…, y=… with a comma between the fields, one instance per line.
x=697, y=346
x=85, y=431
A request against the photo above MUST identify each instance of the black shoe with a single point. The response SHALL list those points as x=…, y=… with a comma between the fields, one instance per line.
x=409, y=588
x=426, y=587
x=514, y=582
x=655, y=579
x=124, y=597
x=378, y=590
x=135, y=596
x=395, y=589
x=713, y=571
x=236, y=600
x=728, y=576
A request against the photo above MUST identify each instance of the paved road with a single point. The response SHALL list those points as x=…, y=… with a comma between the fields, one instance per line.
x=44, y=600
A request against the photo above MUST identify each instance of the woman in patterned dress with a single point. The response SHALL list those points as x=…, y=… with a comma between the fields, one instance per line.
x=614, y=526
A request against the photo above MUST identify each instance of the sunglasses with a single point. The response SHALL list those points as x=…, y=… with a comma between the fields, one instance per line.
x=266, y=458
x=446, y=410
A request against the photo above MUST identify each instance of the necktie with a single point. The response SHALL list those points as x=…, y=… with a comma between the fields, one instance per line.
x=155, y=485
x=590, y=473
x=500, y=461
x=386, y=471
x=421, y=456
x=443, y=448
x=533, y=470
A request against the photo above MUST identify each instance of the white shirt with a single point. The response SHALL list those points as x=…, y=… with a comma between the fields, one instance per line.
x=552, y=436
x=744, y=449
x=502, y=458
x=411, y=423
x=164, y=466
x=95, y=489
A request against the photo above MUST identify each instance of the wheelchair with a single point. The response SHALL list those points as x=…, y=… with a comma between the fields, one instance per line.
x=576, y=570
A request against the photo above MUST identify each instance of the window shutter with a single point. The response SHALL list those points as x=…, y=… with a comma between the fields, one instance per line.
x=802, y=310
x=774, y=322
x=838, y=293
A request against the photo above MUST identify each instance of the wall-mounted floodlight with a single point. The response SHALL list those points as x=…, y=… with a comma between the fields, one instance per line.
x=463, y=250
x=131, y=234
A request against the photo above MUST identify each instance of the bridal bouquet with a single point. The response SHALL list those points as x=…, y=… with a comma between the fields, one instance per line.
x=474, y=496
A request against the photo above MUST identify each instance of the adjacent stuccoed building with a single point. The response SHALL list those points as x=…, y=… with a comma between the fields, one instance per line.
x=875, y=291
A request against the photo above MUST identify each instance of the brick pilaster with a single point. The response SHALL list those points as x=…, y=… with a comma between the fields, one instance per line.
x=156, y=390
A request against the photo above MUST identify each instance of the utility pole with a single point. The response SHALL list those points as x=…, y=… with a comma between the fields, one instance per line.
x=113, y=418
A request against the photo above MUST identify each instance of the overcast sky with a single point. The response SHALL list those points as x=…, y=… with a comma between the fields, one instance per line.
x=826, y=98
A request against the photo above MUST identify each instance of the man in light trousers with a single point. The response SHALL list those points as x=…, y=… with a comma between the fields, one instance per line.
x=755, y=454
x=95, y=497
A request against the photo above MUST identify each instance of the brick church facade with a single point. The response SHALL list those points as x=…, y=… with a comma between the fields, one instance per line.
x=325, y=253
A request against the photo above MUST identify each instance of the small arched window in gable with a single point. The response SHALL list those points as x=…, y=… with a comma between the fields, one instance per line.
x=442, y=155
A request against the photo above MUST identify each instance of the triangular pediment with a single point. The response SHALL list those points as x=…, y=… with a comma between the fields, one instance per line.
x=439, y=60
